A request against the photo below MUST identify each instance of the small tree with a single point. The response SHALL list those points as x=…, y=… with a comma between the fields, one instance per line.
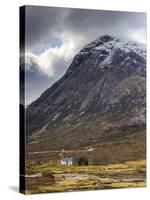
x=82, y=161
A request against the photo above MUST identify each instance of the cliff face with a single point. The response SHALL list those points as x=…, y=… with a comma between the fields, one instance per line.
x=100, y=98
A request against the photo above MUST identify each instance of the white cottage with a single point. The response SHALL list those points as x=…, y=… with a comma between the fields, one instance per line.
x=66, y=161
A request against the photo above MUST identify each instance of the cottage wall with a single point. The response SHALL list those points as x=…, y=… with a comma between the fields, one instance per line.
x=66, y=161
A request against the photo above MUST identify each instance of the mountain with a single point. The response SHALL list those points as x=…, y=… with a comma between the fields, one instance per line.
x=99, y=103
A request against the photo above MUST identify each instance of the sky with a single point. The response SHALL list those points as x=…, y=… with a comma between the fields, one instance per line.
x=53, y=36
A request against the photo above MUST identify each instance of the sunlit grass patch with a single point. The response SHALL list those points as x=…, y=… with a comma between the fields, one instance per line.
x=72, y=178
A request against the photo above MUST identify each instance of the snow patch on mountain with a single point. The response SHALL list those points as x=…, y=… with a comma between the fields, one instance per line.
x=107, y=46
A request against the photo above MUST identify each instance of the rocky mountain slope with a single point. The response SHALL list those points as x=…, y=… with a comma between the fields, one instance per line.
x=101, y=99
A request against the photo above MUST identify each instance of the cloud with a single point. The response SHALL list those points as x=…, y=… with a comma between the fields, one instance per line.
x=139, y=36
x=44, y=23
x=47, y=26
x=53, y=61
x=94, y=23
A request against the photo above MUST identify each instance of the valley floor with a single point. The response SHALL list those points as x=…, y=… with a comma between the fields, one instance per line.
x=52, y=177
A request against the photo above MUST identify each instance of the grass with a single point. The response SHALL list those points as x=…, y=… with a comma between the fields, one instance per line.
x=73, y=178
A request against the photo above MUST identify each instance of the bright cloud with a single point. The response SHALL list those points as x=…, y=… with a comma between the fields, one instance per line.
x=138, y=36
x=51, y=59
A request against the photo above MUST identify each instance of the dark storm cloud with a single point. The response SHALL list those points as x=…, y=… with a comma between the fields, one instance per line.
x=101, y=22
x=104, y=18
x=42, y=23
